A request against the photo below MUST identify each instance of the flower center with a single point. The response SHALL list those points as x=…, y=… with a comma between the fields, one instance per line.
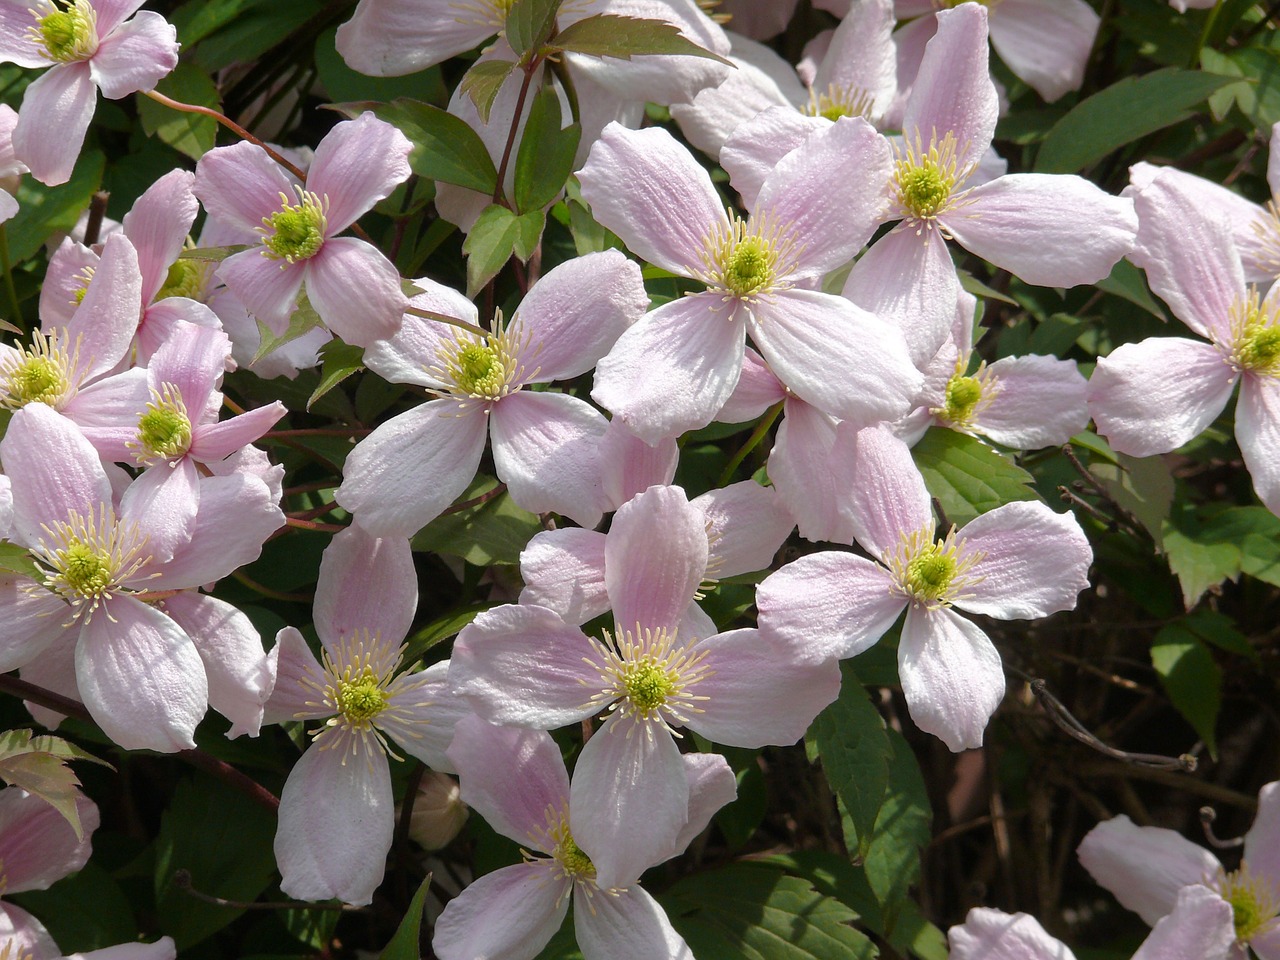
x=186, y=278
x=68, y=33
x=933, y=573
x=966, y=396
x=748, y=258
x=838, y=102
x=575, y=864
x=1255, y=902
x=164, y=430
x=487, y=369
x=480, y=371
x=361, y=699
x=649, y=677
x=647, y=684
x=87, y=560
x=44, y=373
x=1255, y=337
x=926, y=179
x=295, y=231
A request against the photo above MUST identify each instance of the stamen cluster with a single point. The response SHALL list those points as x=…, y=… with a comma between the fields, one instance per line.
x=648, y=677
x=87, y=560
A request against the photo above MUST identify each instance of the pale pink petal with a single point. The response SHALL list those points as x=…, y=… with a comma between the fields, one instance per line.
x=951, y=676
x=17, y=45
x=217, y=441
x=239, y=673
x=113, y=13
x=1032, y=225
x=811, y=195
x=814, y=491
x=761, y=21
x=524, y=666
x=674, y=369
x=358, y=163
x=1201, y=927
x=268, y=288
x=1046, y=42
x=1144, y=867
x=409, y=355
x=651, y=192
x=136, y=56
x=712, y=785
x=355, y=290
x=163, y=502
x=1033, y=562
x=747, y=523
x=141, y=677
x=296, y=668
x=53, y=470
x=575, y=313
x=107, y=413
x=1188, y=256
x=413, y=466
x=1152, y=397
x=563, y=570
x=37, y=845
x=1038, y=402
x=390, y=38
x=546, y=450
x=239, y=185
x=55, y=670
x=1273, y=161
x=63, y=281
x=510, y=913
x=511, y=777
x=629, y=926
x=911, y=41
x=30, y=620
x=655, y=559
x=162, y=949
x=757, y=692
x=861, y=58
x=1266, y=945
x=1258, y=433
x=758, y=145
x=107, y=318
x=365, y=584
x=828, y=605
x=629, y=799
x=909, y=279
x=953, y=92
x=26, y=934
x=425, y=715
x=194, y=362
x=158, y=226
x=757, y=390
x=835, y=355
x=995, y=935
x=889, y=497
x=336, y=820
x=55, y=115
x=1262, y=842
x=628, y=465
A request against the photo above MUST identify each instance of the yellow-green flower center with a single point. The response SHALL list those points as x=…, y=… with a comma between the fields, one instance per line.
x=86, y=568
x=1255, y=902
x=186, y=278
x=480, y=371
x=164, y=430
x=747, y=268
x=647, y=684
x=838, y=102
x=44, y=373
x=748, y=259
x=68, y=33
x=648, y=676
x=361, y=699
x=926, y=179
x=484, y=369
x=933, y=572
x=576, y=864
x=295, y=231
x=87, y=559
x=963, y=394
x=930, y=573
x=1255, y=336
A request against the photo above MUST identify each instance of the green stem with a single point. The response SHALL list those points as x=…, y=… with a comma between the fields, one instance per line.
x=753, y=441
x=529, y=71
x=1204, y=33
x=10, y=290
x=452, y=321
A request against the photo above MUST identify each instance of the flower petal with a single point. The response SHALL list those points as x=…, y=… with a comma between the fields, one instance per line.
x=239, y=185
x=163, y=502
x=55, y=115
x=107, y=318
x=37, y=844
x=1046, y=43
x=391, y=38
x=355, y=290
x=1262, y=842
x=268, y=288
x=135, y=56
x=1258, y=433
x=746, y=524
x=1201, y=927
x=889, y=499
x=510, y=913
x=1039, y=402
x=995, y=935
x=757, y=146
x=563, y=570
x=158, y=226
x=801, y=469
x=629, y=466
x=629, y=925
x=365, y=584
x=358, y=163
x=295, y=668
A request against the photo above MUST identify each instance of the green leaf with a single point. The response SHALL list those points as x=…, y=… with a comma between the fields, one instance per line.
x=491, y=532
x=442, y=628
x=302, y=321
x=17, y=560
x=1220, y=630
x=192, y=134
x=223, y=839
x=482, y=83
x=545, y=158
x=498, y=233
x=752, y=911
x=44, y=211
x=530, y=24
x=1130, y=283
x=1125, y=111
x=1143, y=486
x=39, y=766
x=967, y=476
x=255, y=27
x=608, y=35
x=850, y=737
x=86, y=911
x=404, y=945
x=1202, y=550
x=445, y=148
x=1192, y=679
x=902, y=830
x=341, y=360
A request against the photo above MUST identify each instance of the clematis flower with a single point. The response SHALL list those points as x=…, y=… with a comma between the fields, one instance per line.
x=354, y=289
x=337, y=811
x=545, y=444
x=90, y=45
x=525, y=666
x=676, y=368
x=1172, y=883
x=1193, y=266
x=1018, y=561
x=517, y=780
x=11, y=168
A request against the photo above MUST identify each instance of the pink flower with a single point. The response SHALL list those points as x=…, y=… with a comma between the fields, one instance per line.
x=1183, y=890
x=995, y=935
x=354, y=288
x=1001, y=565
x=11, y=168
x=89, y=44
x=525, y=666
x=516, y=779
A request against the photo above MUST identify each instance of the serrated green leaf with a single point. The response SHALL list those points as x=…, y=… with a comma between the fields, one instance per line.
x=482, y=83
x=341, y=360
x=444, y=146
x=1220, y=630
x=1201, y=554
x=902, y=830
x=497, y=234
x=752, y=911
x=17, y=560
x=302, y=321
x=491, y=532
x=967, y=476
x=529, y=227
x=530, y=24
x=405, y=944
x=1122, y=113
x=1191, y=678
x=191, y=134
x=609, y=35
x=44, y=211
x=849, y=735
x=545, y=158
